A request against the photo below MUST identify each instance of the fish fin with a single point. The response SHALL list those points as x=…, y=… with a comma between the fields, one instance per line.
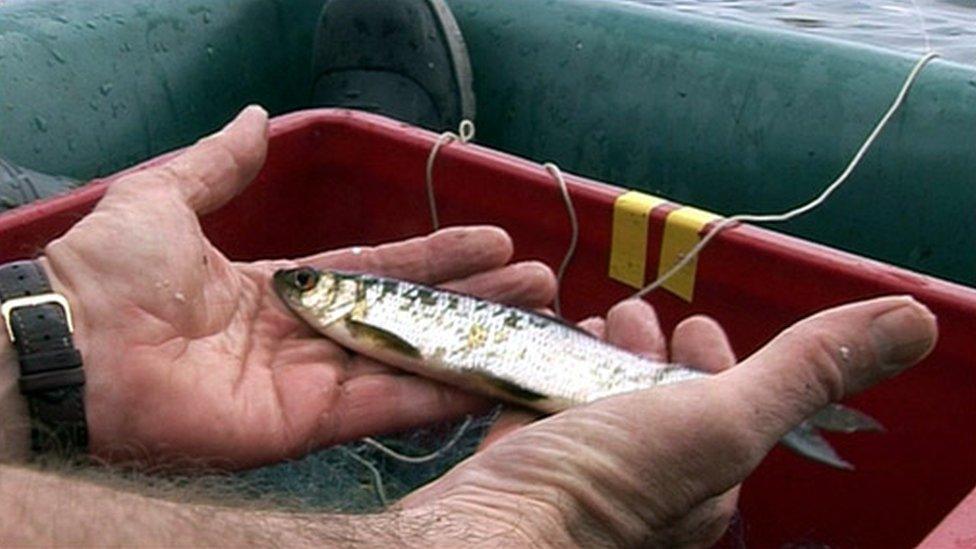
x=842, y=419
x=806, y=441
x=335, y=314
x=509, y=388
x=383, y=338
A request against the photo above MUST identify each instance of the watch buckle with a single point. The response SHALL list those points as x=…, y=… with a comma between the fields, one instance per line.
x=8, y=307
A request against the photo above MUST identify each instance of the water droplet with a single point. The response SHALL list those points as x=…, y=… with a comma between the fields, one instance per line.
x=91, y=25
x=125, y=47
x=845, y=354
x=579, y=44
x=105, y=88
x=206, y=17
x=57, y=56
x=40, y=123
x=210, y=50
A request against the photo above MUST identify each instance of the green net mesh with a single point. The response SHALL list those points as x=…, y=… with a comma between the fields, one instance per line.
x=351, y=477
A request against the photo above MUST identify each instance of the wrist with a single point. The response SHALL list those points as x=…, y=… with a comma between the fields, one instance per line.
x=60, y=286
x=14, y=417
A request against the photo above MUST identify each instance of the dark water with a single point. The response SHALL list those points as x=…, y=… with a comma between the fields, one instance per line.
x=915, y=26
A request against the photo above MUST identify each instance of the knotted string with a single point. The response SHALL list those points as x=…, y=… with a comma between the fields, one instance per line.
x=464, y=135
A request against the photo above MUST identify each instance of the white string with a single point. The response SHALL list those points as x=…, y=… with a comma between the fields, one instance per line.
x=425, y=458
x=464, y=135
x=816, y=202
x=574, y=237
x=466, y=131
x=377, y=477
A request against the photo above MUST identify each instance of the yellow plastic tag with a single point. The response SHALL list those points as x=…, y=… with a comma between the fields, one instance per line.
x=681, y=234
x=628, y=245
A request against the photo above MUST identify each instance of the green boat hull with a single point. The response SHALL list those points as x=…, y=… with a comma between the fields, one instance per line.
x=724, y=116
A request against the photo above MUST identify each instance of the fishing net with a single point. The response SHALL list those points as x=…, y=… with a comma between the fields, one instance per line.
x=357, y=477
x=352, y=477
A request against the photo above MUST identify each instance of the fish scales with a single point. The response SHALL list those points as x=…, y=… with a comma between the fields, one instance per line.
x=517, y=355
x=537, y=353
x=507, y=352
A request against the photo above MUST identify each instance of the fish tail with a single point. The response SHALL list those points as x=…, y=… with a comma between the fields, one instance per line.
x=807, y=441
x=841, y=419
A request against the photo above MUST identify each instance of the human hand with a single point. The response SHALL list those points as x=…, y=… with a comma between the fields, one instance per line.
x=662, y=467
x=191, y=356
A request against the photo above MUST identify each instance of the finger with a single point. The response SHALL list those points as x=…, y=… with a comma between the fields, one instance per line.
x=360, y=366
x=447, y=254
x=529, y=284
x=633, y=325
x=510, y=420
x=701, y=343
x=828, y=357
x=216, y=168
x=596, y=326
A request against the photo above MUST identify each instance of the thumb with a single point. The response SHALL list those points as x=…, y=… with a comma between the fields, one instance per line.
x=828, y=357
x=216, y=168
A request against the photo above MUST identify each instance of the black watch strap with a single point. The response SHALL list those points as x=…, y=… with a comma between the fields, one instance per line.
x=51, y=375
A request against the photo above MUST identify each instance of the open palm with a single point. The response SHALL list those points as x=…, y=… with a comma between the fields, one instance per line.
x=189, y=355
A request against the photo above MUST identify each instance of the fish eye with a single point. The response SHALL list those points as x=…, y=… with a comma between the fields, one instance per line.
x=305, y=279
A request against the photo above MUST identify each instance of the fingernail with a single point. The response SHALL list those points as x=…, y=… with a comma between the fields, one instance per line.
x=248, y=111
x=903, y=335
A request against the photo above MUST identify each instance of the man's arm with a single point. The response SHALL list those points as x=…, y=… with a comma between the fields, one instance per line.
x=44, y=508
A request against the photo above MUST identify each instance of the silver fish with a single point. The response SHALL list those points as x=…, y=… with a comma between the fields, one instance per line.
x=504, y=352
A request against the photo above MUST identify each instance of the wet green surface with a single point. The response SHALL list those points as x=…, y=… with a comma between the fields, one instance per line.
x=91, y=87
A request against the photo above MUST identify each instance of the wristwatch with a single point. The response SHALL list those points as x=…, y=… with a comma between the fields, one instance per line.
x=52, y=379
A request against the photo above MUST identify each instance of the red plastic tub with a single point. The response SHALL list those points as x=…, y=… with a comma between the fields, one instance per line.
x=337, y=178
